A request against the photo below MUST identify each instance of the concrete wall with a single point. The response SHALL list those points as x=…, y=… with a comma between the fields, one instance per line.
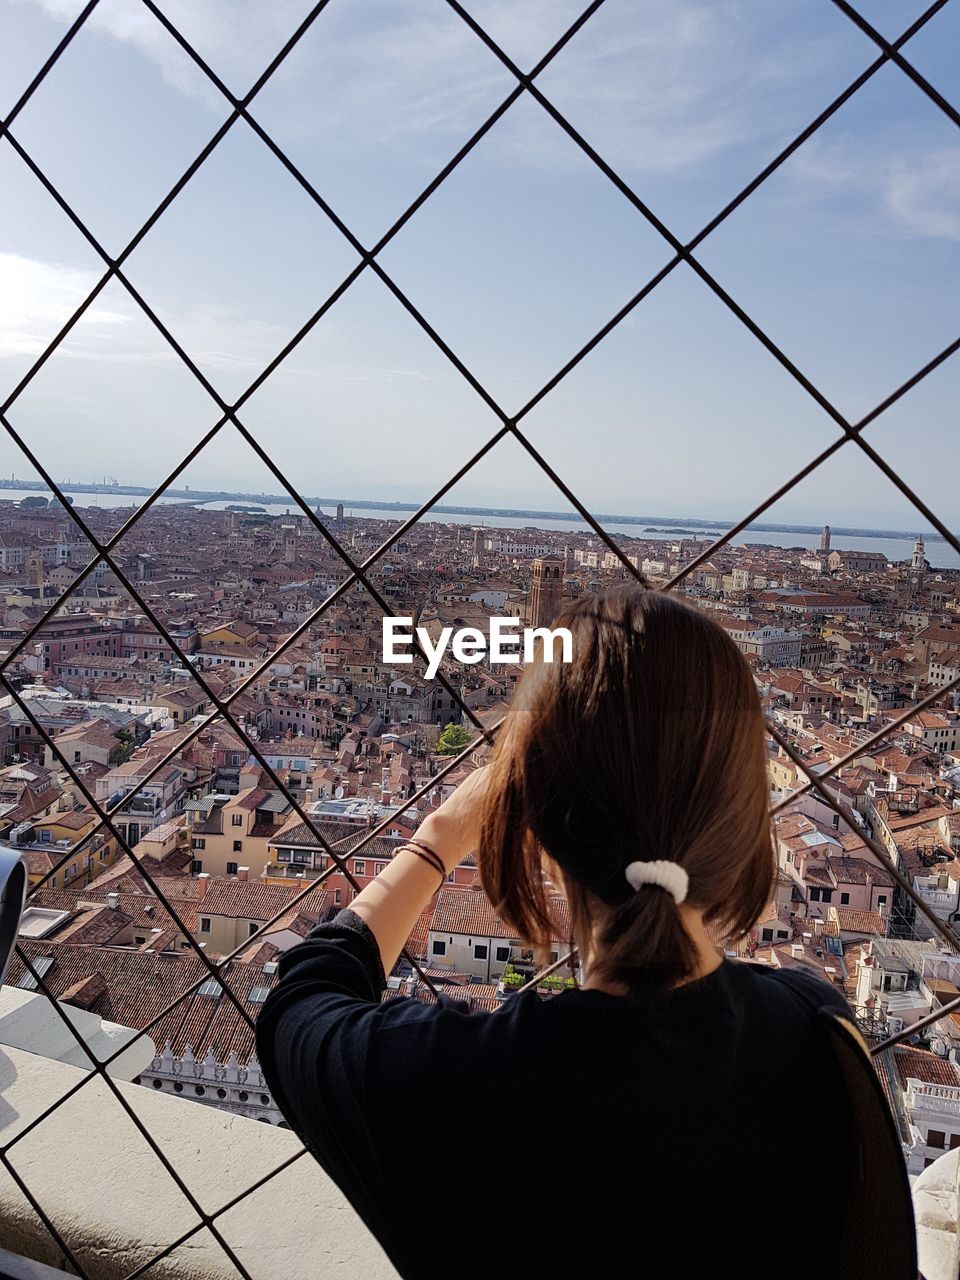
x=116, y=1206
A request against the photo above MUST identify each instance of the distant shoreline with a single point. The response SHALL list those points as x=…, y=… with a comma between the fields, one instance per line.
x=677, y=524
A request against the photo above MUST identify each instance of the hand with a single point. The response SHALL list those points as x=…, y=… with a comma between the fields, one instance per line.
x=453, y=830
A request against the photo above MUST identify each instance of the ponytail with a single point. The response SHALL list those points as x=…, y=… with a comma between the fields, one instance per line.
x=643, y=945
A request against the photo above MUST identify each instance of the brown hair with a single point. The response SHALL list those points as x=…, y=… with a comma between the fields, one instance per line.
x=648, y=745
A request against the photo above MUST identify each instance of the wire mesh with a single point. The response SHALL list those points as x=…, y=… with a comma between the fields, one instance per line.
x=358, y=572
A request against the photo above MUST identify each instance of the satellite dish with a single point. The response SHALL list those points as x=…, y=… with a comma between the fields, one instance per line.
x=338, y=793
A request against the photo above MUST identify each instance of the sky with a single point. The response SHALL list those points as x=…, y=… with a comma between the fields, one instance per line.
x=848, y=256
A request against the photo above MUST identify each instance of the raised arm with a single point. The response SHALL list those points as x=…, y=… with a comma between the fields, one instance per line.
x=391, y=904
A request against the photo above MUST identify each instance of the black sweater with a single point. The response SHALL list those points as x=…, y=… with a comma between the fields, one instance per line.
x=570, y=1136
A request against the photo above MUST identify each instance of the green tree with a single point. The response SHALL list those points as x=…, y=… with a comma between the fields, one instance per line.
x=124, y=747
x=453, y=739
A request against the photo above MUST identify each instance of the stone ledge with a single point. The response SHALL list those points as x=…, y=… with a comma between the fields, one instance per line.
x=29, y=1021
x=936, y=1205
x=116, y=1206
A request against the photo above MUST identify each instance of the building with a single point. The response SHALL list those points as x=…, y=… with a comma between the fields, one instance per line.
x=937, y=730
x=857, y=562
x=228, y=832
x=546, y=590
x=467, y=936
x=229, y=912
x=774, y=645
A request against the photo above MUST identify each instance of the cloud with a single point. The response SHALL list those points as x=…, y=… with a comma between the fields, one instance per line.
x=924, y=193
x=664, y=85
x=236, y=36
x=37, y=297
x=911, y=191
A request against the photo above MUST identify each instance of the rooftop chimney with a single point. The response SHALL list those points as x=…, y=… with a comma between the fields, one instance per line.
x=243, y=873
x=204, y=879
x=113, y=901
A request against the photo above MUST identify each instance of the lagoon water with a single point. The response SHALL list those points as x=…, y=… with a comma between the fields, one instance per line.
x=940, y=554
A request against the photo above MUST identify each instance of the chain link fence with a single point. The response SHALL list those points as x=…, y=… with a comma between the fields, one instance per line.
x=104, y=551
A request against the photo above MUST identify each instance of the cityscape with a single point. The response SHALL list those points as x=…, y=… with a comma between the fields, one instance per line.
x=841, y=642
x=345, y=347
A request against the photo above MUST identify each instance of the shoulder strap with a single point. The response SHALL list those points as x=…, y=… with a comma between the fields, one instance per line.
x=879, y=1233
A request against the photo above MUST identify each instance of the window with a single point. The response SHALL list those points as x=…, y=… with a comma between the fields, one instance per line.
x=480, y=951
x=258, y=995
x=766, y=935
x=439, y=948
x=236, y=819
x=936, y=1138
x=252, y=927
x=238, y=846
x=844, y=899
x=359, y=868
x=204, y=924
x=826, y=895
x=231, y=868
x=503, y=953
x=336, y=897
x=196, y=866
x=198, y=842
x=881, y=899
x=814, y=895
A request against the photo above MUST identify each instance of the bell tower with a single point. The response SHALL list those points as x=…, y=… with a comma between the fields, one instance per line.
x=546, y=590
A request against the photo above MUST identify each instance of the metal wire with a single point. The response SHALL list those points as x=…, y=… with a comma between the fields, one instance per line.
x=358, y=572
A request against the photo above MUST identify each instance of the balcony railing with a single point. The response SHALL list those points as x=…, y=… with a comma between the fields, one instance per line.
x=934, y=1097
x=43, y=1093
x=938, y=899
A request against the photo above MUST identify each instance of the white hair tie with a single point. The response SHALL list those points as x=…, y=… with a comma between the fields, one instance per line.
x=668, y=875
